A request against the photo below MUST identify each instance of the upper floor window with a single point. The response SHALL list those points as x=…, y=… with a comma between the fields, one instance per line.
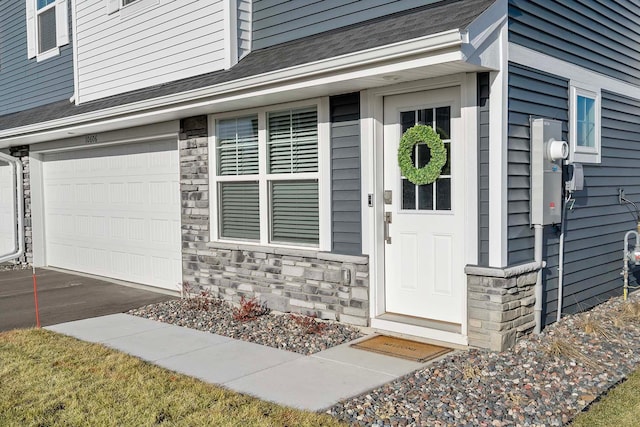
x=47, y=27
x=585, y=124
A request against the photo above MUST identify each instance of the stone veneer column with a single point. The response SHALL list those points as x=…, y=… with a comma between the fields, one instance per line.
x=22, y=153
x=500, y=305
x=330, y=286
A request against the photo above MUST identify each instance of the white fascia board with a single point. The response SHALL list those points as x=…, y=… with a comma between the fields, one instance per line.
x=375, y=60
x=575, y=73
x=483, y=47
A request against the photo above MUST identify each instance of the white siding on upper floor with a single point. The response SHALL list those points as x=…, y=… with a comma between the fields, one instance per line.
x=162, y=41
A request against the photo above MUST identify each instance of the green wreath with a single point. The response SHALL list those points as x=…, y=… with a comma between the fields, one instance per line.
x=431, y=171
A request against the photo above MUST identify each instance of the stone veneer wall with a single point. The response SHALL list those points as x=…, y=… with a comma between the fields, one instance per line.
x=330, y=286
x=22, y=153
x=500, y=305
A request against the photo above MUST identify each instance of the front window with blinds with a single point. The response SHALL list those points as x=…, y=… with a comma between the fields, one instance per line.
x=268, y=182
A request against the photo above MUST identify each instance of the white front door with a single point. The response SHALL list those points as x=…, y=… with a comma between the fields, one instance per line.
x=424, y=259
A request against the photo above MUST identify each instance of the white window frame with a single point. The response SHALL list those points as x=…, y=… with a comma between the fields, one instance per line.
x=263, y=178
x=62, y=28
x=578, y=153
x=126, y=10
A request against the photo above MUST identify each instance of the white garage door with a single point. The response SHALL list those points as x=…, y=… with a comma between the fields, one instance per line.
x=115, y=212
x=7, y=210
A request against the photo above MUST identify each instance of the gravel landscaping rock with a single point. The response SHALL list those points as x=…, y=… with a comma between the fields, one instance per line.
x=11, y=267
x=274, y=330
x=544, y=380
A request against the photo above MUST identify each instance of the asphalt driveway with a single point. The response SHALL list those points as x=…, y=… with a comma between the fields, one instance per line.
x=64, y=297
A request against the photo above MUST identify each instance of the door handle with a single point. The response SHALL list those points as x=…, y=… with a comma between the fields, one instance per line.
x=387, y=221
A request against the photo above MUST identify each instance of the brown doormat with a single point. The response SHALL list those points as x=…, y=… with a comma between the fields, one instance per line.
x=399, y=347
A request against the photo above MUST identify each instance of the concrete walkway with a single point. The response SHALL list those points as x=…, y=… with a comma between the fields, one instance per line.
x=307, y=382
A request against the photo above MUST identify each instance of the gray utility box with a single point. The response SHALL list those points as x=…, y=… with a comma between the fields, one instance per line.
x=547, y=152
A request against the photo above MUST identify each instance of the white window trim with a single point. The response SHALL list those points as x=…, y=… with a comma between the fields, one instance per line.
x=580, y=154
x=130, y=9
x=62, y=28
x=323, y=175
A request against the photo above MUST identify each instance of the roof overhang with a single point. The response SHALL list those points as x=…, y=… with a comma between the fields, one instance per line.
x=429, y=56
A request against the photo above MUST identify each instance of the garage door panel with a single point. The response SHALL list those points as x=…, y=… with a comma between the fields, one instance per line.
x=7, y=210
x=115, y=231
x=119, y=209
x=130, y=194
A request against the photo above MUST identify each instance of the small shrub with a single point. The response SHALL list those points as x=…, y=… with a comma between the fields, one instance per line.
x=309, y=324
x=250, y=309
x=196, y=300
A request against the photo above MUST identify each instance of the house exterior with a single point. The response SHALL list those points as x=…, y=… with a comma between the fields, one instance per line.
x=251, y=147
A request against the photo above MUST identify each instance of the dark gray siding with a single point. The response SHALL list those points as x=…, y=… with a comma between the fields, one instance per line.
x=346, y=224
x=483, y=169
x=531, y=93
x=603, y=36
x=278, y=21
x=597, y=224
x=25, y=83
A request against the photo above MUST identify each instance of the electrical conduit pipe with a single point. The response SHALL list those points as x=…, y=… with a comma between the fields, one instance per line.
x=537, y=309
x=563, y=225
x=18, y=248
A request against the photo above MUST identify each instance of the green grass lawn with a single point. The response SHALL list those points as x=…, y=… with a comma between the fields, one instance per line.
x=619, y=408
x=48, y=379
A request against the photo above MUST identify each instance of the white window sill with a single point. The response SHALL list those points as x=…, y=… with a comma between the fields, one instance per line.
x=585, y=157
x=137, y=7
x=48, y=54
x=289, y=251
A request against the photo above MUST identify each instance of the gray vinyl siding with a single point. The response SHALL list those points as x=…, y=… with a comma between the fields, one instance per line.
x=244, y=27
x=26, y=83
x=602, y=36
x=279, y=21
x=597, y=224
x=346, y=222
x=483, y=169
x=531, y=93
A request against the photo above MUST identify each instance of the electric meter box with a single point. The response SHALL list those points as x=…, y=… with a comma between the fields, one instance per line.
x=547, y=152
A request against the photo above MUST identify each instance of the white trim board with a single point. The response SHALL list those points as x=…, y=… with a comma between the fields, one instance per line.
x=576, y=74
x=498, y=138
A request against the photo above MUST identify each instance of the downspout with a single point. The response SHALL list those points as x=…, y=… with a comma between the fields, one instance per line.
x=18, y=248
